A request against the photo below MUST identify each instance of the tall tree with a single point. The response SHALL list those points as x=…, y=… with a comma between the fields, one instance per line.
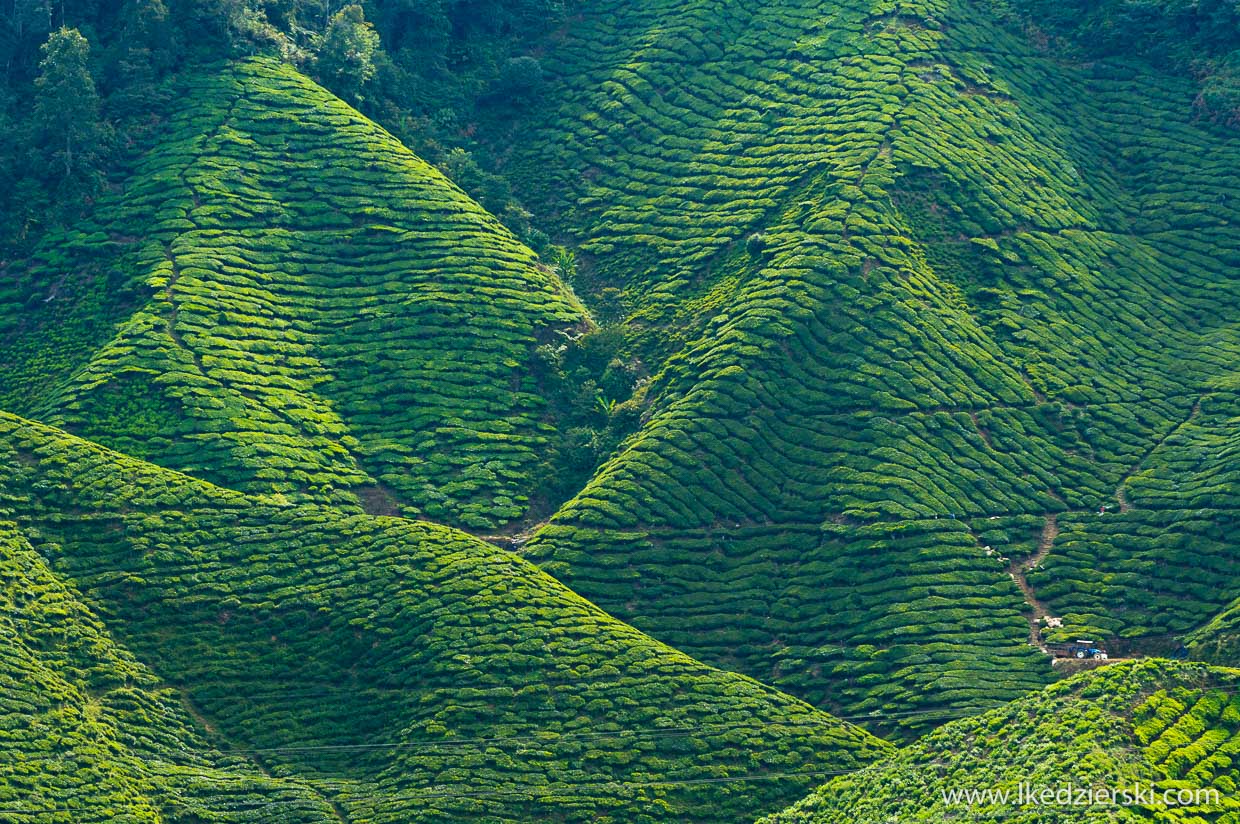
x=346, y=57
x=146, y=27
x=139, y=60
x=66, y=119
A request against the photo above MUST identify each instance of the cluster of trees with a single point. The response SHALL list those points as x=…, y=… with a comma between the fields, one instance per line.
x=596, y=394
x=83, y=81
x=1197, y=36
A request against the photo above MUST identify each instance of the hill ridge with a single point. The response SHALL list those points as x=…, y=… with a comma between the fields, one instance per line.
x=1159, y=725
x=308, y=336
x=373, y=657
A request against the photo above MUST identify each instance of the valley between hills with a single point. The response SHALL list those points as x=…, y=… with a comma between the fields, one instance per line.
x=736, y=432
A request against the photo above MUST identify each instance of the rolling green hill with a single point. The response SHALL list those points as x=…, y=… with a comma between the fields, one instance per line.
x=87, y=733
x=315, y=312
x=916, y=293
x=1219, y=640
x=400, y=671
x=1162, y=726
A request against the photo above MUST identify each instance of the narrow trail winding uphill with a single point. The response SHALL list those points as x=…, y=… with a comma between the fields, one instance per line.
x=1018, y=568
x=1038, y=611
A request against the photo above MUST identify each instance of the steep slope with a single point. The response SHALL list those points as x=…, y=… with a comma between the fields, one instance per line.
x=405, y=671
x=918, y=290
x=89, y=734
x=317, y=311
x=1166, y=560
x=1219, y=640
x=1161, y=726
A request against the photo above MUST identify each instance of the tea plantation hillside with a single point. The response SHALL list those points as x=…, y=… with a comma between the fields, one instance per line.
x=1165, y=727
x=90, y=734
x=926, y=305
x=302, y=307
x=400, y=670
x=1166, y=560
x=832, y=358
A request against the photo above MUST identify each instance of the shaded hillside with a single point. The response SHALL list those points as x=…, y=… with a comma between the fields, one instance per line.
x=1196, y=39
x=90, y=734
x=303, y=306
x=910, y=280
x=405, y=671
x=1156, y=724
x=1219, y=640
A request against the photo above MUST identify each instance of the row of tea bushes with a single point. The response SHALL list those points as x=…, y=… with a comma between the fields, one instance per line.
x=1193, y=737
x=1219, y=640
x=1197, y=463
x=88, y=734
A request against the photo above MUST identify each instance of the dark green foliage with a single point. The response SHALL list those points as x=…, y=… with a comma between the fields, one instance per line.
x=1175, y=32
x=142, y=57
x=1220, y=90
x=1198, y=37
x=346, y=58
x=755, y=244
x=66, y=121
x=597, y=398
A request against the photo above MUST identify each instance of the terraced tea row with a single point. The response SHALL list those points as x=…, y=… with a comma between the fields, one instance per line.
x=1219, y=640
x=90, y=734
x=403, y=670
